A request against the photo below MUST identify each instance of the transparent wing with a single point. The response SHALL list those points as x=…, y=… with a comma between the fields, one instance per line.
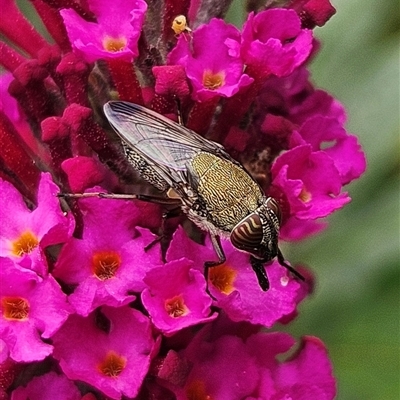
x=156, y=137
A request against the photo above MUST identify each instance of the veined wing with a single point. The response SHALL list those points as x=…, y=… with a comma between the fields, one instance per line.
x=156, y=137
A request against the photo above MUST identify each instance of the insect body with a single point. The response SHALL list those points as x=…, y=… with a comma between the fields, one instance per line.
x=213, y=189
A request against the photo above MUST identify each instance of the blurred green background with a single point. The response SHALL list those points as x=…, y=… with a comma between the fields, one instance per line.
x=355, y=307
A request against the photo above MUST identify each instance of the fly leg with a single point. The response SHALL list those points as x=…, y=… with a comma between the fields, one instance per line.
x=164, y=236
x=216, y=242
x=117, y=196
x=174, y=212
x=282, y=262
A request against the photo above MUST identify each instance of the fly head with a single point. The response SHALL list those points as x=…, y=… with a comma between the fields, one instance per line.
x=257, y=234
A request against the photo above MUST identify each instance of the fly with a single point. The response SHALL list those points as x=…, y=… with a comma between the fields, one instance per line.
x=213, y=189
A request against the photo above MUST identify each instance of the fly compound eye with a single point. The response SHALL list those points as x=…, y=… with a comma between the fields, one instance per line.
x=247, y=235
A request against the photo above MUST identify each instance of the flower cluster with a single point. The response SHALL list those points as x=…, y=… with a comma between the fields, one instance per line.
x=92, y=303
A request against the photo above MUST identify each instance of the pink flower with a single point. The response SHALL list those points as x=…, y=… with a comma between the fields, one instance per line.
x=306, y=375
x=251, y=92
x=109, y=263
x=234, y=367
x=221, y=370
x=344, y=149
x=274, y=43
x=212, y=60
x=25, y=234
x=32, y=308
x=310, y=182
x=116, y=33
x=47, y=387
x=85, y=172
x=313, y=12
x=111, y=351
x=175, y=297
x=234, y=284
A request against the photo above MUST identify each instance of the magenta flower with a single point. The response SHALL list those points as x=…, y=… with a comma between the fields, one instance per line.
x=212, y=61
x=306, y=375
x=25, y=234
x=125, y=271
x=114, y=37
x=274, y=43
x=32, y=308
x=7, y=103
x=231, y=367
x=175, y=297
x=171, y=81
x=221, y=370
x=310, y=193
x=297, y=229
x=113, y=358
x=234, y=284
x=107, y=266
x=312, y=12
x=48, y=387
x=86, y=172
x=116, y=33
x=344, y=149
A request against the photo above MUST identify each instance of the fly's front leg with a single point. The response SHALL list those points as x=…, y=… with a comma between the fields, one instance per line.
x=216, y=242
x=282, y=262
x=117, y=196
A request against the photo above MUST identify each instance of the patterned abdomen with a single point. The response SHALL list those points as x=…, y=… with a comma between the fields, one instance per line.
x=144, y=169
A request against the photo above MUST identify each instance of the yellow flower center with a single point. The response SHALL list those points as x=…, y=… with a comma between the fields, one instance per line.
x=112, y=365
x=176, y=307
x=213, y=81
x=24, y=244
x=305, y=195
x=197, y=391
x=105, y=264
x=15, y=308
x=223, y=278
x=114, y=44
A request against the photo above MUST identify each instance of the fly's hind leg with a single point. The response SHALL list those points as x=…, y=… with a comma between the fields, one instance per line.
x=164, y=235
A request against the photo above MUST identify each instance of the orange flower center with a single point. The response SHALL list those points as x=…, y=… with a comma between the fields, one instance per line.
x=112, y=365
x=105, y=264
x=197, y=391
x=213, y=81
x=114, y=44
x=223, y=278
x=24, y=244
x=305, y=195
x=176, y=307
x=15, y=308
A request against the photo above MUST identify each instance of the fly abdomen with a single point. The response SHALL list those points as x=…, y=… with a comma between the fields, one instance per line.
x=144, y=169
